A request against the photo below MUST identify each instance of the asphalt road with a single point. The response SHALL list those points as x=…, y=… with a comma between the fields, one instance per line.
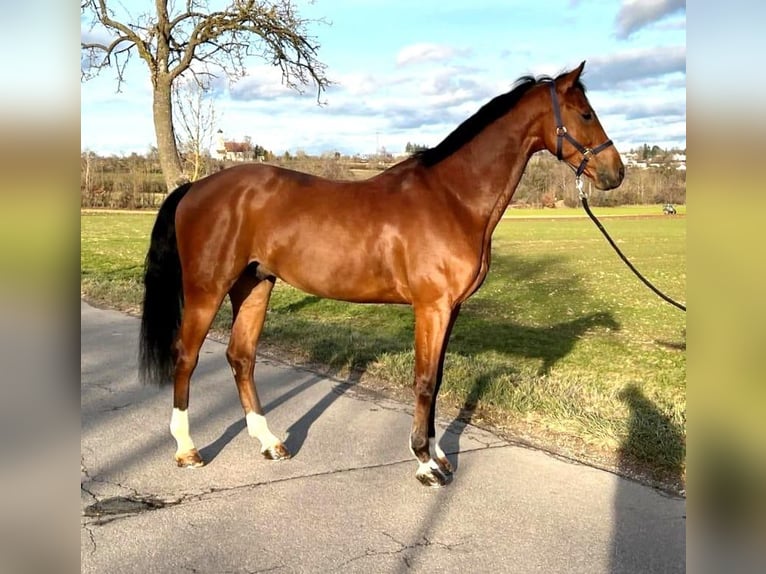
x=348, y=500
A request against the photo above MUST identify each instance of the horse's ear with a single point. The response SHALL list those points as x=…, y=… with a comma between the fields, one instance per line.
x=570, y=79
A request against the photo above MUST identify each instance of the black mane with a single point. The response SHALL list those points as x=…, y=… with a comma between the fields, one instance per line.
x=486, y=115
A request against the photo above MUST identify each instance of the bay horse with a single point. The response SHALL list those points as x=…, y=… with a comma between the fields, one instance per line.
x=418, y=233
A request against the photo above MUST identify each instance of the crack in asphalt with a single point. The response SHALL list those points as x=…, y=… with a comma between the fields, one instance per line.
x=107, y=510
x=424, y=542
x=108, y=387
x=114, y=408
x=194, y=570
x=92, y=538
x=88, y=529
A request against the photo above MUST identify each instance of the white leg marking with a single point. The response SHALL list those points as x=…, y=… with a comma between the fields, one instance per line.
x=436, y=452
x=436, y=449
x=412, y=451
x=425, y=467
x=257, y=428
x=179, y=428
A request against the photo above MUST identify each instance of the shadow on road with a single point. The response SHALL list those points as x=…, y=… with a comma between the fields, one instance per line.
x=298, y=431
x=653, y=440
x=552, y=343
x=212, y=450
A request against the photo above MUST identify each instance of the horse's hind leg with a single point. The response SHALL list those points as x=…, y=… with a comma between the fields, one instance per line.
x=199, y=312
x=249, y=299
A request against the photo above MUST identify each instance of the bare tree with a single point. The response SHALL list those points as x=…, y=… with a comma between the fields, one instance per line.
x=194, y=114
x=188, y=37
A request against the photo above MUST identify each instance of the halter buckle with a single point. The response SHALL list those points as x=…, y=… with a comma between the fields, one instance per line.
x=578, y=185
x=561, y=131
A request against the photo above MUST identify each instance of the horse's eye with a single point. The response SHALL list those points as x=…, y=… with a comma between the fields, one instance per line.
x=587, y=116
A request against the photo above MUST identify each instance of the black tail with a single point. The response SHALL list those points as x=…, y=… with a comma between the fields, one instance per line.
x=163, y=295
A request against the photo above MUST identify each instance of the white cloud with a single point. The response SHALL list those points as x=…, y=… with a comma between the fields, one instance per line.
x=426, y=52
x=260, y=83
x=95, y=36
x=632, y=67
x=637, y=14
x=249, y=89
x=666, y=134
x=359, y=84
x=396, y=90
x=647, y=115
x=449, y=81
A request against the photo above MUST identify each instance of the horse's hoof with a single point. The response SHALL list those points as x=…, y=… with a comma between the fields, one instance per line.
x=433, y=478
x=190, y=459
x=445, y=465
x=276, y=452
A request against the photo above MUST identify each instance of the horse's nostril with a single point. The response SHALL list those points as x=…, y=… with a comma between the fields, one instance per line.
x=622, y=171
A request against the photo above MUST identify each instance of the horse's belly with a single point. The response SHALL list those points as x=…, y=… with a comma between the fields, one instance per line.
x=343, y=288
x=343, y=278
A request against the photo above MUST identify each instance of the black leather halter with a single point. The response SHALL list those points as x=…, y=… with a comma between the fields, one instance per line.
x=561, y=133
x=587, y=153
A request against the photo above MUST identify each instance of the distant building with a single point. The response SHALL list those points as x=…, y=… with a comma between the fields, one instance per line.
x=679, y=160
x=232, y=150
x=632, y=159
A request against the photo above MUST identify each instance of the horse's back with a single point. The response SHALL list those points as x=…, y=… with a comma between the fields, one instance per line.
x=320, y=235
x=364, y=241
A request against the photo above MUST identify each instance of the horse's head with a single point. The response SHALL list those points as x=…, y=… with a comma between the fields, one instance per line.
x=574, y=134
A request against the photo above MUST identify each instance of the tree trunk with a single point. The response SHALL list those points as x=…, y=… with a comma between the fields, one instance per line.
x=170, y=162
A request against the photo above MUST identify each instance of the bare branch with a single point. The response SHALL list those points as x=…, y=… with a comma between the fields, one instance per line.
x=117, y=53
x=188, y=38
x=195, y=115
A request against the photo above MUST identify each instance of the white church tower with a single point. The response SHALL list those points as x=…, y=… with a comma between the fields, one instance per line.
x=220, y=146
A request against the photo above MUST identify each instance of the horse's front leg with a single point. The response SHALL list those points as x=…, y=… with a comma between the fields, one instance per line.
x=438, y=454
x=432, y=326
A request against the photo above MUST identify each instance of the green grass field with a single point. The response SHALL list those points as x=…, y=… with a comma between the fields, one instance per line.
x=562, y=346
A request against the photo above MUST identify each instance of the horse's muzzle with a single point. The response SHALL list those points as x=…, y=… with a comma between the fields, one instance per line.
x=609, y=179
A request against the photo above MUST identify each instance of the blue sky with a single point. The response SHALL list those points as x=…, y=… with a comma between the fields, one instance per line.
x=408, y=71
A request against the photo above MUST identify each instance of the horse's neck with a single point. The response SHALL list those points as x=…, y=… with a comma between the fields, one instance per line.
x=485, y=175
x=508, y=182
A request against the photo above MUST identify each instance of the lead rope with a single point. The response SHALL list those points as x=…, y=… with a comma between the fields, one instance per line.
x=584, y=199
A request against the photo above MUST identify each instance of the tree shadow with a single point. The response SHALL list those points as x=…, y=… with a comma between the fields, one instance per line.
x=654, y=441
x=392, y=331
x=481, y=327
x=550, y=345
x=651, y=434
x=675, y=345
x=305, y=301
x=450, y=439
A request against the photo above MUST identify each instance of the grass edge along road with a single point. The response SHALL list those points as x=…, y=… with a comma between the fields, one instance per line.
x=562, y=347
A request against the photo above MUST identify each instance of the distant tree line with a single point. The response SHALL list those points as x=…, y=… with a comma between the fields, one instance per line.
x=645, y=152
x=548, y=182
x=121, y=182
x=136, y=181
x=412, y=148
